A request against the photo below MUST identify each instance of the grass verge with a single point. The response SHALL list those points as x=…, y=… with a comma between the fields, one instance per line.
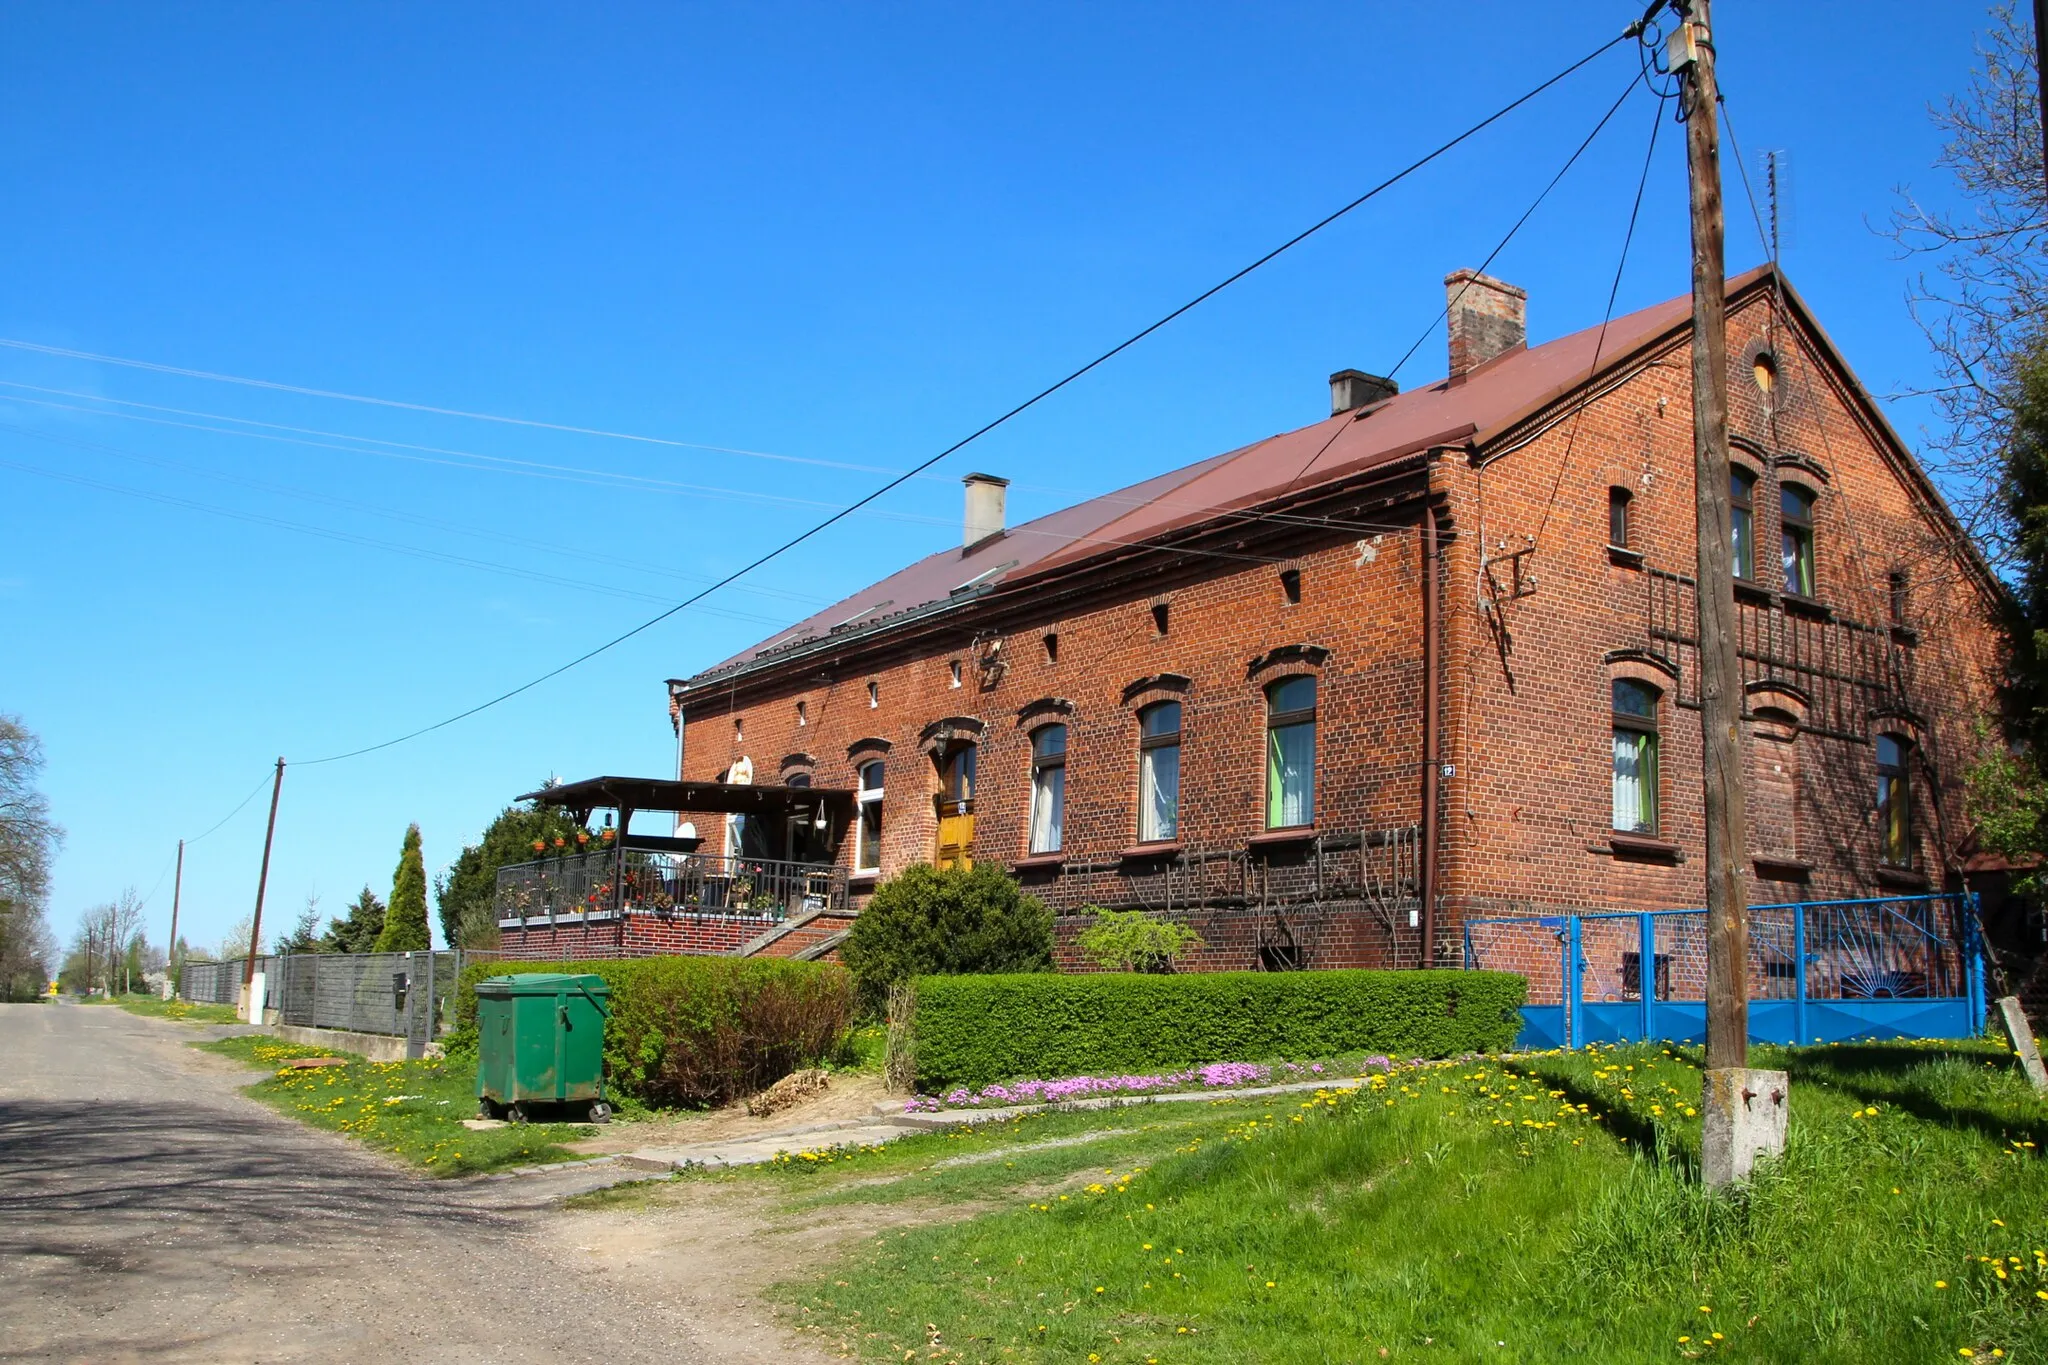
x=184, y=1011
x=413, y=1110
x=1532, y=1209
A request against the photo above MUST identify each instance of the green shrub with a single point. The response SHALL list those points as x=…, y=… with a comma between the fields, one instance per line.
x=924, y=922
x=698, y=1030
x=1133, y=941
x=972, y=1030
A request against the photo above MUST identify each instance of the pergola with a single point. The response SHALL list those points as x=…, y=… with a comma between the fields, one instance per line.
x=629, y=794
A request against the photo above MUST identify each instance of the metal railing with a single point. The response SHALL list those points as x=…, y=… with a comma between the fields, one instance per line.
x=635, y=881
x=1816, y=971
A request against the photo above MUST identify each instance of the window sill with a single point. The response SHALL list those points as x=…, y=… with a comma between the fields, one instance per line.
x=1040, y=862
x=863, y=881
x=1169, y=848
x=1781, y=869
x=1902, y=877
x=1291, y=834
x=1747, y=591
x=1807, y=606
x=1624, y=559
x=1639, y=848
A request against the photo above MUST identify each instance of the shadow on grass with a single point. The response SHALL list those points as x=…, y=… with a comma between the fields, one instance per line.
x=1881, y=1073
x=1656, y=1142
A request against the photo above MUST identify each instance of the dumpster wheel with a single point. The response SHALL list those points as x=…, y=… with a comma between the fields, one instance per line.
x=517, y=1112
x=600, y=1112
x=489, y=1109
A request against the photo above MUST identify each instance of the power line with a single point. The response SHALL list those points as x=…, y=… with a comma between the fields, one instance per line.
x=1020, y=408
x=1600, y=342
x=1527, y=213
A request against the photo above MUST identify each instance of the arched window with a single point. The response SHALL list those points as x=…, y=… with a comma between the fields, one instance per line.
x=1048, y=788
x=867, y=843
x=1635, y=757
x=1291, y=753
x=1159, y=772
x=1894, y=801
x=1795, y=520
x=1617, y=517
x=1742, y=520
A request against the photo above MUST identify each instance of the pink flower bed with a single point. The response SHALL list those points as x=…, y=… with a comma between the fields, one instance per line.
x=1214, y=1076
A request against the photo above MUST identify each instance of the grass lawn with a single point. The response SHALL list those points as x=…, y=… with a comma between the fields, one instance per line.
x=1542, y=1208
x=414, y=1110
x=185, y=1010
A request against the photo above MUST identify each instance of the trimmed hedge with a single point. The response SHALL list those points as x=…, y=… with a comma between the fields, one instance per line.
x=972, y=1030
x=699, y=1030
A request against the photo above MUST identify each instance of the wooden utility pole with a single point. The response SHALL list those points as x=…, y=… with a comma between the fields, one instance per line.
x=262, y=879
x=1743, y=1108
x=177, y=893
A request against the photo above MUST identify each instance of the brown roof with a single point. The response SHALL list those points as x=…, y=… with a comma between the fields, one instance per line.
x=1489, y=400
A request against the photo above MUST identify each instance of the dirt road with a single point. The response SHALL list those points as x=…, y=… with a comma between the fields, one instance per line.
x=150, y=1211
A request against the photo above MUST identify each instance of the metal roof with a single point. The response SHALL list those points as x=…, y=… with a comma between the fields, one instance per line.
x=1476, y=407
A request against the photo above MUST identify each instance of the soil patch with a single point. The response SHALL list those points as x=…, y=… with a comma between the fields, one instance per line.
x=848, y=1098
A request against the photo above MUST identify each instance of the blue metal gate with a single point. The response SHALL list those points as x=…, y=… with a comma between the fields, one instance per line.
x=1819, y=972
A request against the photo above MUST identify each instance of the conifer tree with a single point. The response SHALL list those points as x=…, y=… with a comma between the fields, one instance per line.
x=405, y=923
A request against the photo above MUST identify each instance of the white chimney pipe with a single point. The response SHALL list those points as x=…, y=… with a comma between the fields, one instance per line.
x=985, y=498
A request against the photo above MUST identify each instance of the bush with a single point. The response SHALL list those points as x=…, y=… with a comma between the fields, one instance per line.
x=698, y=1030
x=972, y=1030
x=924, y=922
x=1133, y=941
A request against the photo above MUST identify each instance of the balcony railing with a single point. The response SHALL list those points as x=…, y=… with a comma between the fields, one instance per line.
x=636, y=881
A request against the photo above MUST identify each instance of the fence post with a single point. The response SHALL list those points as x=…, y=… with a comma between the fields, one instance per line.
x=1571, y=982
x=1974, y=948
x=1799, y=1034
x=1646, y=972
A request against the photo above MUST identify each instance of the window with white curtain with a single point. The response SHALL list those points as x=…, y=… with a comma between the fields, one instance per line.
x=1635, y=757
x=1159, y=772
x=1291, y=753
x=1048, y=787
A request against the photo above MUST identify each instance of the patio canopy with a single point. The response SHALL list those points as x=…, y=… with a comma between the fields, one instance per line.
x=629, y=794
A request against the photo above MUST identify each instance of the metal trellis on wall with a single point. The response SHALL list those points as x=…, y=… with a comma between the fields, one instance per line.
x=1821, y=971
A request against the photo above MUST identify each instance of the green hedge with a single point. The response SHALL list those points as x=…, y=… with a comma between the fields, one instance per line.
x=699, y=1030
x=972, y=1030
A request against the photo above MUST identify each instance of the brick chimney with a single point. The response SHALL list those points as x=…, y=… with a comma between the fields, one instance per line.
x=1488, y=317
x=985, y=498
x=1352, y=389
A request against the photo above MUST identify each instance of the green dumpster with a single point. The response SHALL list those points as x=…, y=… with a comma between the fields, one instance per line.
x=541, y=1043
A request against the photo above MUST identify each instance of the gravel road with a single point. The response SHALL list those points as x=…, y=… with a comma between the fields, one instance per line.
x=148, y=1210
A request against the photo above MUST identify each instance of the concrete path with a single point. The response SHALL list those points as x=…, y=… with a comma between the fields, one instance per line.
x=890, y=1123
x=148, y=1210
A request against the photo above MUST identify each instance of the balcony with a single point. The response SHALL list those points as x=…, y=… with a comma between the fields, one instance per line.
x=614, y=881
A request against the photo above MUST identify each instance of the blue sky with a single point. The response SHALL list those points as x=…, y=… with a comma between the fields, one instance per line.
x=844, y=234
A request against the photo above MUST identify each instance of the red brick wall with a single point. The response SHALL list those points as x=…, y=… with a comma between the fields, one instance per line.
x=1529, y=808
x=635, y=936
x=1526, y=811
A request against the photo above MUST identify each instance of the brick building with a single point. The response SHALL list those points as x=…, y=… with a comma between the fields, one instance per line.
x=1431, y=657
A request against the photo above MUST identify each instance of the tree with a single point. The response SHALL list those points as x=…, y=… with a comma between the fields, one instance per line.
x=1133, y=941
x=235, y=945
x=924, y=922
x=304, y=936
x=405, y=924
x=466, y=895
x=1985, y=309
x=28, y=841
x=358, y=932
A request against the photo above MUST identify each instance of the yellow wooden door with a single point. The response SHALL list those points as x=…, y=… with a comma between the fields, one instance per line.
x=956, y=841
